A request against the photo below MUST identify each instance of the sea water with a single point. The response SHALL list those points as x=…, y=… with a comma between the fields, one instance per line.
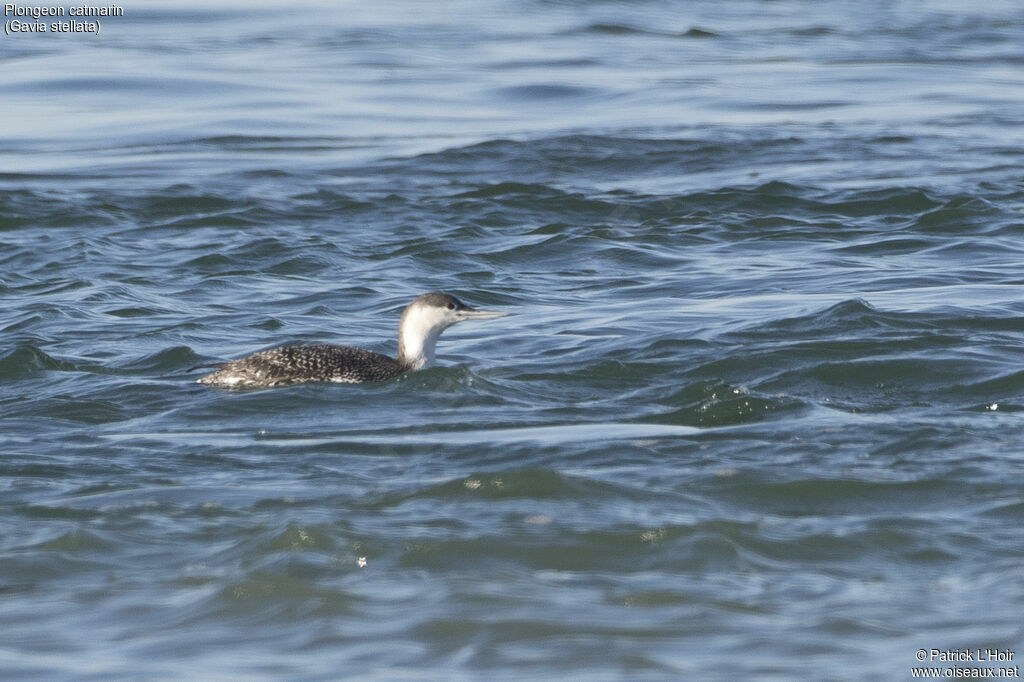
x=757, y=411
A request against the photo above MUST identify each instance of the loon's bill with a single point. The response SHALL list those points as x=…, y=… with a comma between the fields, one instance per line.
x=422, y=322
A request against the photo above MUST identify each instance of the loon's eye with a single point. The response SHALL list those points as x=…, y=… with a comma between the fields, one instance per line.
x=451, y=306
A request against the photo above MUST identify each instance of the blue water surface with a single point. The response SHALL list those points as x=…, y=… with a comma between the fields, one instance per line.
x=756, y=412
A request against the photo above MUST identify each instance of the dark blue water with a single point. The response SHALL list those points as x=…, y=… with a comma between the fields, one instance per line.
x=756, y=412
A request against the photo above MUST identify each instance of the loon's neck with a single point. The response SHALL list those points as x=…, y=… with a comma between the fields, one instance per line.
x=417, y=337
x=416, y=351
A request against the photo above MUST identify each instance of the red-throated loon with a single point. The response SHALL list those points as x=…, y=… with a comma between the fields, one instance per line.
x=422, y=322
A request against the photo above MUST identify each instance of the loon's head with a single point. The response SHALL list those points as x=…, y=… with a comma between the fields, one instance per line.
x=424, y=319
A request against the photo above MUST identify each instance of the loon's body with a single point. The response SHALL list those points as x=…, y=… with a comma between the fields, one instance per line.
x=422, y=322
